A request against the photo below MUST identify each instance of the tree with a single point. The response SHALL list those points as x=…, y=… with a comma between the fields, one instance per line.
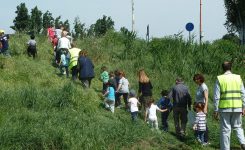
x=66, y=25
x=80, y=31
x=22, y=20
x=57, y=22
x=48, y=20
x=235, y=14
x=103, y=25
x=36, y=20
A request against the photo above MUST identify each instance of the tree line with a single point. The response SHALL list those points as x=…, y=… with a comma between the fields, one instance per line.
x=37, y=23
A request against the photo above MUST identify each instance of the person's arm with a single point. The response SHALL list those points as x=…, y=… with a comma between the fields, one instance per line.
x=216, y=98
x=243, y=98
x=161, y=110
x=107, y=91
x=206, y=101
x=146, y=114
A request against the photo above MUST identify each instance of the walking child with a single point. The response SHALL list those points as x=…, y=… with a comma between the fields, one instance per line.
x=31, y=49
x=151, y=115
x=64, y=61
x=133, y=103
x=110, y=97
x=104, y=77
x=200, y=122
x=165, y=103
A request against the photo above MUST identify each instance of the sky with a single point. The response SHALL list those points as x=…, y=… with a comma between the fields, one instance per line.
x=165, y=17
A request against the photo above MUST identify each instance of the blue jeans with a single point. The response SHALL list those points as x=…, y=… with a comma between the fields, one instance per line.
x=200, y=136
x=134, y=115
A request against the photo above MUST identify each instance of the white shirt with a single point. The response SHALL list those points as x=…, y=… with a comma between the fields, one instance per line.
x=124, y=85
x=64, y=43
x=133, y=104
x=152, y=111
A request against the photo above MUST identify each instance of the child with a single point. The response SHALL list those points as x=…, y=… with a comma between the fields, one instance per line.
x=133, y=102
x=32, y=50
x=164, y=103
x=112, y=79
x=151, y=113
x=200, y=122
x=110, y=99
x=64, y=61
x=104, y=77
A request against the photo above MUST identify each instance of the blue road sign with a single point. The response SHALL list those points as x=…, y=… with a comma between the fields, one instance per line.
x=189, y=26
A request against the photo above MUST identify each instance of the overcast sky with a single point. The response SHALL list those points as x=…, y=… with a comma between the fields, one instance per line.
x=165, y=17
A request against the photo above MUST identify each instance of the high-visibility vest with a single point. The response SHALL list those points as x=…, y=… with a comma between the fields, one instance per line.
x=230, y=91
x=74, y=52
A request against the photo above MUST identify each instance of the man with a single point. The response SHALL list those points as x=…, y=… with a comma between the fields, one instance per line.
x=181, y=100
x=74, y=53
x=229, y=102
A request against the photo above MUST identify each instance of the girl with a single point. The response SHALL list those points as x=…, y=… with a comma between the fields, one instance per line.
x=200, y=123
x=110, y=99
x=151, y=113
x=133, y=101
x=122, y=89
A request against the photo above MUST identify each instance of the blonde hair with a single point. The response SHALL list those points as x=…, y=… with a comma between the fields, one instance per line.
x=143, y=78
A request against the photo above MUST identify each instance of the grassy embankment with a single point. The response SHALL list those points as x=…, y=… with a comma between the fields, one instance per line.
x=41, y=110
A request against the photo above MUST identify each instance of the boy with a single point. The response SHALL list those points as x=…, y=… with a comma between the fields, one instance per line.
x=133, y=103
x=32, y=50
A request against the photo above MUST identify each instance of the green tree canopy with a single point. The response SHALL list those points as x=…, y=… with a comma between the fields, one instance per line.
x=80, y=31
x=103, y=25
x=36, y=20
x=48, y=20
x=22, y=20
x=235, y=14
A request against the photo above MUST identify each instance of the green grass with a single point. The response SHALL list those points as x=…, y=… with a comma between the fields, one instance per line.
x=41, y=110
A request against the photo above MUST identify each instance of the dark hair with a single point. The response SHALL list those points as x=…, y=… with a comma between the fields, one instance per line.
x=179, y=80
x=32, y=37
x=104, y=68
x=199, y=77
x=226, y=66
x=164, y=92
x=112, y=74
x=200, y=105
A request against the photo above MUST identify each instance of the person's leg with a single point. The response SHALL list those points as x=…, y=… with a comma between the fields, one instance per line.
x=67, y=71
x=206, y=134
x=74, y=72
x=118, y=99
x=106, y=103
x=156, y=123
x=112, y=106
x=85, y=83
x=176, y=120
x=183, y=119
x=225, y=130
x=125, y=98
x=236, y=124
x=164, y=120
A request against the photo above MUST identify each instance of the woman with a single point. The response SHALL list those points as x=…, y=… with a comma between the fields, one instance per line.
x=202, y=97
x=122, y=90
x=145, y=89
x=86, y=68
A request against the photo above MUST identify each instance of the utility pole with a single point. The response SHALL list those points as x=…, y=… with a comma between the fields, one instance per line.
x=133, y=16
x=200, y=22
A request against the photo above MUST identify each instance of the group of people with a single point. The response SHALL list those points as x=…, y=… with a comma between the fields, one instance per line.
x=229, y=95
x=229, y=103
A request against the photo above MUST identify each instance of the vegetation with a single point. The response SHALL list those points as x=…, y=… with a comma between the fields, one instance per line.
x=235, y=13
x=41, y=110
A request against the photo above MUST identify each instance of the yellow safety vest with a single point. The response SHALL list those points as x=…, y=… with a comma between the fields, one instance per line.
x=230, y=91
x=74, y=52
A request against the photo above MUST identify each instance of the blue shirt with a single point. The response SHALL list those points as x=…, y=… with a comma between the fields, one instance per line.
x=111, y=94
x=164, y=103
x=4, y=41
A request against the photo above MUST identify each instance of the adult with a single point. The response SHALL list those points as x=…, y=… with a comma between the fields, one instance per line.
x=4, y=43
x=181, y=100
x=51, y=32
x=63, y=45
x=58, y=31
x=122, y=90
x=202, y=97
x=145, y=89
x=229, y=103
x=74, y=53
x=85, y=68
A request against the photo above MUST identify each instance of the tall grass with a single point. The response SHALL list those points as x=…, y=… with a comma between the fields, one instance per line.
x=41, y=110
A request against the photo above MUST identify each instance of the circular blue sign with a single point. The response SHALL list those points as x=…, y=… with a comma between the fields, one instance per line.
x=189, y=26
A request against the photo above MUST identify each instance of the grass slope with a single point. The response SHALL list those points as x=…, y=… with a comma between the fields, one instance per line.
x=41, y=110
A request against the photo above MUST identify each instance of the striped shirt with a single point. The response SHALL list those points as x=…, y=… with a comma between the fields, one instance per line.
x=200, y=121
